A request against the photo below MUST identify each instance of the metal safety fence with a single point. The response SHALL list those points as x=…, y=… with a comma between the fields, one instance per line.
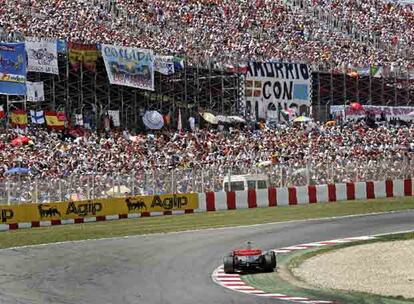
x=26, y=189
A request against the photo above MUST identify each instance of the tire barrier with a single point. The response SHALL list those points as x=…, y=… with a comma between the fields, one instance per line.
x=49, y=214
x=214, y=201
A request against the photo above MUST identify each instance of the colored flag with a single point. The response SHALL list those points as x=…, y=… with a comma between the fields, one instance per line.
x=180, y=123
x=164, y=65
x=376, y=71
x=78, y=119
x=238, y=68
x=86, y=54
x=178, y=63
x=114, y=114
x=61, y=116
x=53, y=122
x=19, y=118
x=37, y=117
x=2, y=113
x=300, y=92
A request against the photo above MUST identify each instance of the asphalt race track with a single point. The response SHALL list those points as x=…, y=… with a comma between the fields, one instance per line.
x=160, y=269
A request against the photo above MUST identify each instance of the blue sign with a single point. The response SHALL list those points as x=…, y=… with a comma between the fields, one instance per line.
x=62, y=46
x=12, y=69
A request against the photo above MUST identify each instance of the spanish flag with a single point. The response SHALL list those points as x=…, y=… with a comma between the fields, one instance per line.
x=19, y=118
x=86, y=54
x=53, y=122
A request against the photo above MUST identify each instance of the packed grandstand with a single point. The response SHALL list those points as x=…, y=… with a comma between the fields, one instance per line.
x=351, y=32
x=191, y=153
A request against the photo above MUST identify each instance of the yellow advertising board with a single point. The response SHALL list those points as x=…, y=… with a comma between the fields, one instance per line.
x=99, y=207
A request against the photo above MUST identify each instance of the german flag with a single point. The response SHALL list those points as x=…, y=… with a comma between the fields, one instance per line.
x=19, y=118
x=53, y=122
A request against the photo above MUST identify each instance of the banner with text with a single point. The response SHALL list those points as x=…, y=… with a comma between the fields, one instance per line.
x=12, y=69
x=99, y=207
x=270, y=85
x=42, y=55
x=129, y=66
x=403, y=113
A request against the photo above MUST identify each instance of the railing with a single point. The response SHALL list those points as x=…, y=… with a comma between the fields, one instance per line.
x=21, y=189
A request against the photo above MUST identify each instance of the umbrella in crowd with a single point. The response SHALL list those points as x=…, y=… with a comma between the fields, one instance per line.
x=236, y=119
x=18, y=170
x=302, y=119
x=153, y=120
x=356, y=106
x=20, y=140
x=264, y=164
x=210, y=118
x=222, y=118
x=230, y=119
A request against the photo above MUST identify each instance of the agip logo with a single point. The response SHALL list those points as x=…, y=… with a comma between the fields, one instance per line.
x=6, y=215
x=169, y=202
x=89, y=208
x=46, y=210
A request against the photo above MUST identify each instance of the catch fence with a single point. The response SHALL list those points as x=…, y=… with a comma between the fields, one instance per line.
x=25, y=189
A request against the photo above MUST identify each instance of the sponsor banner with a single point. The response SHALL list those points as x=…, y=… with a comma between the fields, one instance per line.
x=99, y=207
x=270, y=85
x=129, y=66
x=35, y=91
x=403, y=113
x=164, y=64
x=12, y=69
x=42, y=55
x=85, y=54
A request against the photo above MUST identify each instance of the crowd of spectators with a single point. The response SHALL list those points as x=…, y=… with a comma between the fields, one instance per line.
x=198, y=160
x=342, y=33
x=339, y=33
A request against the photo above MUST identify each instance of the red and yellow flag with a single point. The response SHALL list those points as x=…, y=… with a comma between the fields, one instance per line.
x=53, y=122
x=86, y=54
x=19, y=118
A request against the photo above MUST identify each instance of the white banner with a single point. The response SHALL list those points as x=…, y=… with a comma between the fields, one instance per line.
x=271, y=86
x=164, y=65
x=403, y=113
x=35, y=91
x=78, y=119
x=42, y=55
x=114, y=114
x=129, y=66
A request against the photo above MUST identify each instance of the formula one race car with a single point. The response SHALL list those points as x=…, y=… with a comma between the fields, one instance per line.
x=249, y=260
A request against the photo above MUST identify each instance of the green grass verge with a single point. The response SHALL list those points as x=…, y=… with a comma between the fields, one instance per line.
x=198, y=221
x=274, y=283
